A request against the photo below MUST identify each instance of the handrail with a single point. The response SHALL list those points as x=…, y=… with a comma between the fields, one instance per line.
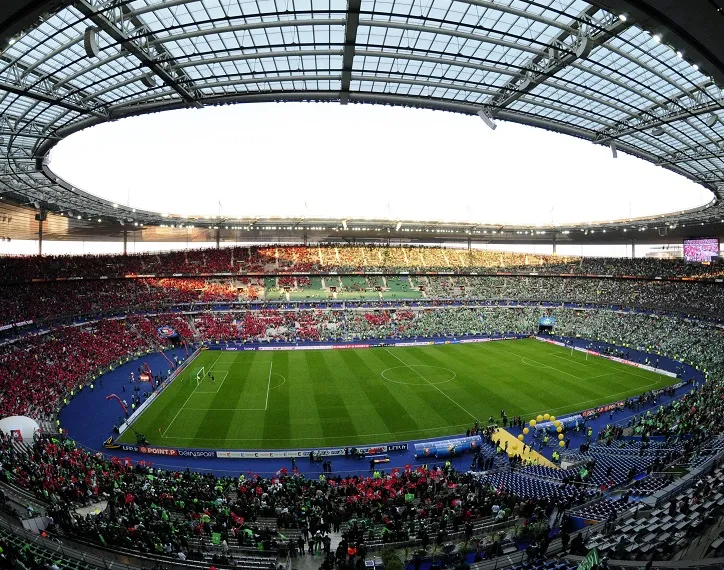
x=664, y=564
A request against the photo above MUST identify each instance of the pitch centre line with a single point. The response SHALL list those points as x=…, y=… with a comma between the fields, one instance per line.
x=268, y=384
x=431, y=384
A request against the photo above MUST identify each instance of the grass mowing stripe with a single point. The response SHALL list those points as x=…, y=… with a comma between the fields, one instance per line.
x=391, y=413
x=220, y=416
x=303, y=410
x=424, y=401
x=334, y=417
x=277, y=420
x=433, y=385
x=340, y=398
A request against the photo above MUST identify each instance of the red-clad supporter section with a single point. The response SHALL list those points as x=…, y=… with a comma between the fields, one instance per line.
x=37, y=373
x=216, y=327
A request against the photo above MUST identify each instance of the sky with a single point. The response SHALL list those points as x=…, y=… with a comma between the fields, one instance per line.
x=362, y=161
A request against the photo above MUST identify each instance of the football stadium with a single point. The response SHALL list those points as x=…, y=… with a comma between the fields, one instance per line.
x=457, y=303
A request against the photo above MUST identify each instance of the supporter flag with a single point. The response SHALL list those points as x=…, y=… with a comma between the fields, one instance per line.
x=216, y=538
x=166, y=331
x=589, y=561
x=237, y=519
x=409, y=497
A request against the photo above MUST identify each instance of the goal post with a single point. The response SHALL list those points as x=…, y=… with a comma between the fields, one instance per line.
x=199, y=375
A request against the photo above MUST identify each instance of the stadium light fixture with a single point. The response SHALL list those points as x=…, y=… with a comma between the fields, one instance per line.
x=487, y=119
x=622, y=17
x=657, y=38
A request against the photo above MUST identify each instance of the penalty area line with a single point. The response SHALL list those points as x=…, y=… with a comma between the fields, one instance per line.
x=187, y=399
x=179, y=411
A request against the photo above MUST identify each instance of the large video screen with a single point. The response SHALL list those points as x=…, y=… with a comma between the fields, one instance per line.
x=701, y=249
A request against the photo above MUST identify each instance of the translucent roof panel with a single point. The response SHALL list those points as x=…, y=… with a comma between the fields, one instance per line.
x=559, y=64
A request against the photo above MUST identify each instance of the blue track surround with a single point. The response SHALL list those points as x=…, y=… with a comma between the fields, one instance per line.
x=89, y=417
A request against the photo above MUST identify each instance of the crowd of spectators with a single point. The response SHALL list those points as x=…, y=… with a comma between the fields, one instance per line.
x=65, y=300
x=686, y=296
x=171, y=513
x=335, y=257
x=37, y=373
x=174, y=514
x=168, y=512
x=68, y=354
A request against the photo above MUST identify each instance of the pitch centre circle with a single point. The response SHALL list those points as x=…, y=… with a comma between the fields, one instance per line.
x=418, y=375
x=279, y=382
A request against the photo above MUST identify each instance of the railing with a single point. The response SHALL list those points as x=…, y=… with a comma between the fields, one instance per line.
x=703, y=563
x=683, y=483
x=88, y=553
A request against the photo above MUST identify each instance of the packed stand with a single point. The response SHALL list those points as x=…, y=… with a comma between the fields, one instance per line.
x=34, y=377
x=338, y=258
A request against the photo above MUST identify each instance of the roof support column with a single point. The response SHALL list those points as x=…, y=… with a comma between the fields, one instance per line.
x=633, y=249
x=125, y=241
x=218, y=238
x=350, y=40
x=40, y=217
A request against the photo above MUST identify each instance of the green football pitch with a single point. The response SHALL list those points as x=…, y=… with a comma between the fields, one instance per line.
x=317, y=398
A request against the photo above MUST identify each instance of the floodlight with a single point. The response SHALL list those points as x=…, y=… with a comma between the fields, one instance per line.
x=90, y=42
x=487, y=119
x=149, y=80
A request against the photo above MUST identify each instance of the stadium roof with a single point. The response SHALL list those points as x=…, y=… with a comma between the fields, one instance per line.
x=641, y=76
